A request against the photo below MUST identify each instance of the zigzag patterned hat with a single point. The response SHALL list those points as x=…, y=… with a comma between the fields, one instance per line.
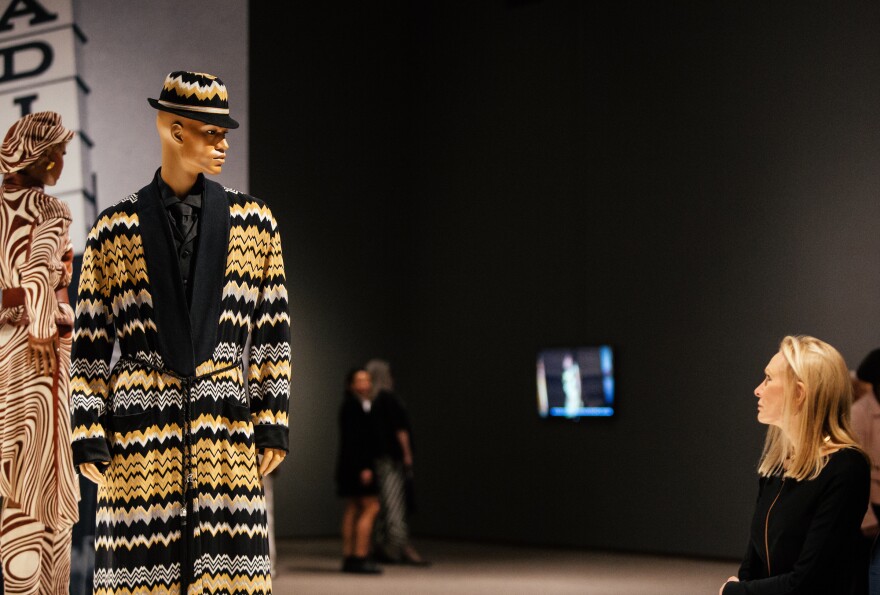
x=197, y=96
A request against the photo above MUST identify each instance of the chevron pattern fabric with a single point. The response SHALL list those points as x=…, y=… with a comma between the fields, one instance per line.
x=182, y=509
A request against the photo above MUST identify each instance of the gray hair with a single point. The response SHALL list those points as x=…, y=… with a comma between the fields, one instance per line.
x=380, y=372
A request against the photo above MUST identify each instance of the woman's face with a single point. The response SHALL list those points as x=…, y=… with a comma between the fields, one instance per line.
x=361, y=385
x=771, y=392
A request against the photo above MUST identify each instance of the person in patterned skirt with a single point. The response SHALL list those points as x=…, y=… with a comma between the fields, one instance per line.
x=37, y=479
x=178, y=435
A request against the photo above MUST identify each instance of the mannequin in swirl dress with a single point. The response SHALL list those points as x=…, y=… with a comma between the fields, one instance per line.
x=37, y=477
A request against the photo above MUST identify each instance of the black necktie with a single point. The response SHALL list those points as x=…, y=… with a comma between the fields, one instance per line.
x=183, y=217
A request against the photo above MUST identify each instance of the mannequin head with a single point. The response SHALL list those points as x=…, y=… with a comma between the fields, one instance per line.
x=46, y=170
x=190, y=146
x=193, y=121
x=33, y=150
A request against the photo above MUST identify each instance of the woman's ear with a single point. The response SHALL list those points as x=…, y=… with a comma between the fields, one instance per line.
x=800, y=395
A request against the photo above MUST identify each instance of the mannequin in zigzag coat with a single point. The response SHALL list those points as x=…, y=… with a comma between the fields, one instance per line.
x=169, y=433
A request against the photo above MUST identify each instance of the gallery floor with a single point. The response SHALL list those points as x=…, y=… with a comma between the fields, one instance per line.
x=311, y=567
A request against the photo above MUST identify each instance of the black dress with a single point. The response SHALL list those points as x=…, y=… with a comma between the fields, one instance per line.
x=359, y=444
x=812, y=531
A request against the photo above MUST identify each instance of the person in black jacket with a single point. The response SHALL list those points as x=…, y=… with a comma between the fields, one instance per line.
x=814, y=480
x=355, y=474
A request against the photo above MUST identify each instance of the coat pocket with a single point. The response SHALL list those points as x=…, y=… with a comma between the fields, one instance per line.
x=123, y=424
x=235, y=411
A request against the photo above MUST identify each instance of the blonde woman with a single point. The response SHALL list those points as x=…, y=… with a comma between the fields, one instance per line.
x=814, y=480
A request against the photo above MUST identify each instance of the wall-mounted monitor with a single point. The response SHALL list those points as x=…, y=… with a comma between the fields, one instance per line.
x=576, y=382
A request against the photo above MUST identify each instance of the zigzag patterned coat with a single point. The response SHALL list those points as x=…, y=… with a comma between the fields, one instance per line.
x=183, y=508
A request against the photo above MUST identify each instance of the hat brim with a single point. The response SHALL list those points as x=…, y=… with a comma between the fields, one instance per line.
x=222, y=120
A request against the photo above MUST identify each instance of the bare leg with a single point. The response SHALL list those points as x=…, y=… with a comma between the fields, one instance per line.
x=349, y=526
x=369, y=510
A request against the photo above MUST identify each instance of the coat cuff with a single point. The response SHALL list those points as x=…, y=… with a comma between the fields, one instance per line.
x=90, y=450
x=733, y=588
x=271, y=436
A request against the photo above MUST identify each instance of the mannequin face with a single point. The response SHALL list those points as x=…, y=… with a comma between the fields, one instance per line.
x=51, y=176
x=204, y=146
x=39, y=172
x=200, y=148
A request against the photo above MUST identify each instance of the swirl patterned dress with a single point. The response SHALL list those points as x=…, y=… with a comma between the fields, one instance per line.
x=37, y=476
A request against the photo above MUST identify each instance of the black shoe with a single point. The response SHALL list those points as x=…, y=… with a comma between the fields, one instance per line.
x=360, y=566
x=383, y=558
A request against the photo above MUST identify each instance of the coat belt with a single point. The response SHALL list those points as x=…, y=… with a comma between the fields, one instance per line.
x=14, y=296
x=188, y=475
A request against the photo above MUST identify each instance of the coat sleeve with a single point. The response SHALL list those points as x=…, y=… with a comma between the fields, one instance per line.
x=752, y=566
x=269, y=359
x=861, y=422
x=839, y=512
x=48, y=237
x=93, y=340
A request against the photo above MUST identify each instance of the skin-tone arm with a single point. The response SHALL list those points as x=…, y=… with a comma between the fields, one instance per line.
x=403, y=438
x=272, y=457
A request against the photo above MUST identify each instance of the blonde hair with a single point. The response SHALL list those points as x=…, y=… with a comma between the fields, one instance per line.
x=816, y=409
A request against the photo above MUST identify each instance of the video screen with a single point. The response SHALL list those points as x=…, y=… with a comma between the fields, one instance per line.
x=575, y=383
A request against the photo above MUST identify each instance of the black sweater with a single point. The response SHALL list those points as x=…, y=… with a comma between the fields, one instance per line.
x=812, y=531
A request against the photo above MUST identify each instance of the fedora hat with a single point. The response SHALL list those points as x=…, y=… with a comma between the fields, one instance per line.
x=197, y=96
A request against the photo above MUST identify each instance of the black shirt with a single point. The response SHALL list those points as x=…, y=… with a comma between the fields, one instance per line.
x=183, y=216
x=390, y=418
x=806, y=537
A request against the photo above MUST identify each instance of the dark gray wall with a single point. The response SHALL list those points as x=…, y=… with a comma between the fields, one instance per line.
x=688, y=182
x=328, y=154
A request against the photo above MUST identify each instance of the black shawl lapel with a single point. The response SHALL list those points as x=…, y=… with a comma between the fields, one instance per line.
x=163, y=270
x=210, y=270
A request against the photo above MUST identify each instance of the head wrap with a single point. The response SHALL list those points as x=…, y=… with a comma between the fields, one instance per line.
x=29, y=137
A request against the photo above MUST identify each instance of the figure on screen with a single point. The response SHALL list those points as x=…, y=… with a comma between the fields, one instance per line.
x=37, y=479
x=571, y=384
x=182, y=274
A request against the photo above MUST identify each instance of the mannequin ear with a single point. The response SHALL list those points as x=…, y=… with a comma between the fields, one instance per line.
x=177, y=132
